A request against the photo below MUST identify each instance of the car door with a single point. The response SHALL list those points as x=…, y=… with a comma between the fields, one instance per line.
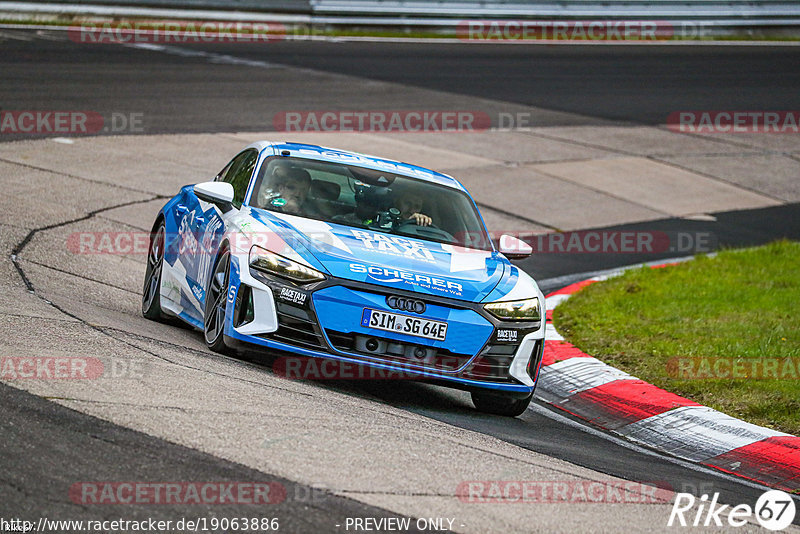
x=211, y=229
x=200, y=229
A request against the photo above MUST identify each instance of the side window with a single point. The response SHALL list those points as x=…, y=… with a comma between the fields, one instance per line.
x=238, y=173
x=220, y=177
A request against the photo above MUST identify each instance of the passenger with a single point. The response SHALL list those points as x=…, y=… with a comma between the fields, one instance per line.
x=287, y=190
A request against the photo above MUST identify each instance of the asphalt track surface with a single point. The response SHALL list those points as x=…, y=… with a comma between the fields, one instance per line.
x=186, y=93
x=181, y=92
x=630, y=83
x=61, y=446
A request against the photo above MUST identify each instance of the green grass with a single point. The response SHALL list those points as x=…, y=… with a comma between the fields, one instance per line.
x=742, y=305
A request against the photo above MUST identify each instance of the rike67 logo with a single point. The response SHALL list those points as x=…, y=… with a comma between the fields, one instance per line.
x=774, y=510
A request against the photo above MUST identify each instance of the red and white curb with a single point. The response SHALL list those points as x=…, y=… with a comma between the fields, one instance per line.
x=616, y=401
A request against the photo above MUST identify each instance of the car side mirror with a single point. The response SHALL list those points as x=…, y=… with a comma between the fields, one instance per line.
x=218, y=193
x=513, y=248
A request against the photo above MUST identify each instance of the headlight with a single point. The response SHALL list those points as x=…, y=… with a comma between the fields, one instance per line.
x=516, y=310
x=272, y=263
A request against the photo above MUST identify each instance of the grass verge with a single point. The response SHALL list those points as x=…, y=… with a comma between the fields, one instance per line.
x=723, y=331
x=295, y=31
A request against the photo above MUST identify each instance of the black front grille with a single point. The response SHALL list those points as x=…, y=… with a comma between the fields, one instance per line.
x=536, y=359
x=295, y=327
x=492, y=364
x=393, y=351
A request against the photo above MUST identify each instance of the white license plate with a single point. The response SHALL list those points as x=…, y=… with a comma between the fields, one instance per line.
x=404, y=324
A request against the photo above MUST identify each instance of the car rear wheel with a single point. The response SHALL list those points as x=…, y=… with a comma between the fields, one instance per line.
x=498, y=404
x=216, y=301
x=151, y=292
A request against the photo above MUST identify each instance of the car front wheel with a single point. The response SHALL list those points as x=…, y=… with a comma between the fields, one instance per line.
x=151, y=292
x=216, y=301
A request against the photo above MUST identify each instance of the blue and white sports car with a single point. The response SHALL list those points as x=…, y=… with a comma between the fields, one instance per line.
x=351, y=258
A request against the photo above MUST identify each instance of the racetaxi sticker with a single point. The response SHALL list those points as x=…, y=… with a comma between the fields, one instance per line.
x=293, y=296
x=394, y=245
x=387, y=275
x=506, y=336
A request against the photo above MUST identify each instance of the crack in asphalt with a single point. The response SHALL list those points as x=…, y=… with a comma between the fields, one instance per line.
x=15, y=259
x=82, y=178
x=177, y=408
x=19, y=247
x=117, y=403
x=82, y=277
x=23, y=316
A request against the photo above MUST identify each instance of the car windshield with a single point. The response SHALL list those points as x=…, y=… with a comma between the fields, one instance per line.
x=367, y=198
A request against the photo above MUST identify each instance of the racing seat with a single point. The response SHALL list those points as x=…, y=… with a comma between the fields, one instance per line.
x=324, y=196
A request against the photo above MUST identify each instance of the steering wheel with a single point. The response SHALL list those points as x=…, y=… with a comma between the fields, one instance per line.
x=410, y=222
x=408, y=227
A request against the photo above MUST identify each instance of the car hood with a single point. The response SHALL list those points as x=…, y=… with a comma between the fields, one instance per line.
x=394, y=261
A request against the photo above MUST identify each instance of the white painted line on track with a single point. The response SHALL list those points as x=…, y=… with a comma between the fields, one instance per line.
x=569, y=377
x=696, y=433
x=557, y=417
x=15, y=36
x=550, y=303
x=211, y=57
x=551, y=334
x=691, y=433
x=48, y=36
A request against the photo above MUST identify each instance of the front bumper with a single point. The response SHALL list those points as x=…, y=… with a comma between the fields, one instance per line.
x=321, y=321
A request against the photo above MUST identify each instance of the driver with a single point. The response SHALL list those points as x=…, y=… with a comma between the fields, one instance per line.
x=410, y=204
x=288, y=189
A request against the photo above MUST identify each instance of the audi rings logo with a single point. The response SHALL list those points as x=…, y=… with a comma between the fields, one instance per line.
x=406, y=304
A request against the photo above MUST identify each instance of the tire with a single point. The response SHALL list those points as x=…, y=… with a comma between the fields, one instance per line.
x=151, y=291
x=497, y=404
x=216, y=304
